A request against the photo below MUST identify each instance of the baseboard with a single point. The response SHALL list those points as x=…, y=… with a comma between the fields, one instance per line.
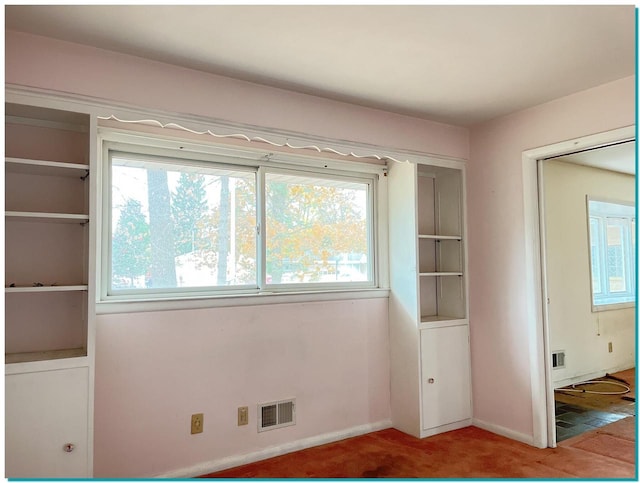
x=506, y=432
x=270, y=452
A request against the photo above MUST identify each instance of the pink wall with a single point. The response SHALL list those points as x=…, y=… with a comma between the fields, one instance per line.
x=52, y=64
x=153, y=370
x=499, y=333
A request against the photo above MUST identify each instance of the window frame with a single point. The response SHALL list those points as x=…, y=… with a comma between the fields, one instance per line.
x=371, y=226
x=629, y=255
x=242, y=159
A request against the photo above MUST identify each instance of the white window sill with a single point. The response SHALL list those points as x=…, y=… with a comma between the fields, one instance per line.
x=239, y=300
x=618, y=306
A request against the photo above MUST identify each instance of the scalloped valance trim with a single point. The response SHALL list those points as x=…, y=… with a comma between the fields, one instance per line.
x=109, y=110
x=244, y=137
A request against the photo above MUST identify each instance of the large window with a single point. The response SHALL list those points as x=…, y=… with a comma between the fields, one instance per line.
x=208, y=225
x=612, y=250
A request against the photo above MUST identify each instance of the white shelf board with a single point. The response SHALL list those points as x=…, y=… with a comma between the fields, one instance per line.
x=441, y=318
x=45, y=217
x=56, y=288
x=45, y=168
x=440, y=237
x=441, y=274
x=18, y=357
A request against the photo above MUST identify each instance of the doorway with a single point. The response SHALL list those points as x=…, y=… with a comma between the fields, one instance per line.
x=543, y=389
x=587, y=217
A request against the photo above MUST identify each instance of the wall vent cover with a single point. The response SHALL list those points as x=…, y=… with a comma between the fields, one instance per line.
x=277, y=414
x=557, y=360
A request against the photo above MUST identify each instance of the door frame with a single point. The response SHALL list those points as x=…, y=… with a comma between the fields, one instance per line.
x=544, y=432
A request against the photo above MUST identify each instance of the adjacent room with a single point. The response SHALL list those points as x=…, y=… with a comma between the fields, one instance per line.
x=589, y=225
x=320, y=241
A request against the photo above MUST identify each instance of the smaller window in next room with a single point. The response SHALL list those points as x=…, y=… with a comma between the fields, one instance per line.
x=612, y=254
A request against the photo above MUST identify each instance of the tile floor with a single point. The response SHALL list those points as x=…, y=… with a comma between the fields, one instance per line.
x=574, y=420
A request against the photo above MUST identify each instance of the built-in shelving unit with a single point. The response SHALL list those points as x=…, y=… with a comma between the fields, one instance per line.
x=48, y=314
x=440, y=244
x=430, y=371
x=47, y=203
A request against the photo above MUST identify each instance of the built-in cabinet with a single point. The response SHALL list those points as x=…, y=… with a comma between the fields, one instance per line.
x=48, y=321
x=429, y=325
x=46, y=426
x=445, y=381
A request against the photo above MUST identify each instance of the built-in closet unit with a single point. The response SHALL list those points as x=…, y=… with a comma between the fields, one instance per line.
x=49, y=327
x=428, y=315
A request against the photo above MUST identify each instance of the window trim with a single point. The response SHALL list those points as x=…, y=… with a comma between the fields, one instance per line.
x=260, y=161
x=631, y=262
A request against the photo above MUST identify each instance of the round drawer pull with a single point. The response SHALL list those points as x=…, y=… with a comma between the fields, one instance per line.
x=431, y=380
x=69, y=447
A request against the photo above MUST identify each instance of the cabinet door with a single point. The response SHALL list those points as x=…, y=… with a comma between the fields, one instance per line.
x=44, y=411
x=446, y=385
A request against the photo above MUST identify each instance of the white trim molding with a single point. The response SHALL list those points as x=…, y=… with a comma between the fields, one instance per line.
x=502, y=431
x=239, y=300
x=273, y=451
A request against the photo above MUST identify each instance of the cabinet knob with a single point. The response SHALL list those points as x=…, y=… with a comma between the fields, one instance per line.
x=69, y=447
x=431, y=380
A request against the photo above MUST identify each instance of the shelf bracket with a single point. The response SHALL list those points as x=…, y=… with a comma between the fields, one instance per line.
x=86, y=175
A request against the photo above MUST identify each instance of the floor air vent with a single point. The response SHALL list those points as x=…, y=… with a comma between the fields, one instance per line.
x=557, y=360
x=276, y=415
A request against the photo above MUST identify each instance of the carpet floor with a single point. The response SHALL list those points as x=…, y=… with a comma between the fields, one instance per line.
x=604, y=453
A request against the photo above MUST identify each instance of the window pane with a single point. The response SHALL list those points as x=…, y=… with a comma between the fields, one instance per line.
x=612, y=252
x=615, y=256
x=594, y=234
x=176, y=226
x=317, y=230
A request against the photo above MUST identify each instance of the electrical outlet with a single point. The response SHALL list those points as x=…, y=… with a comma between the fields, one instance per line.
x=197, y=423
x=243, y=415
x=610, y=346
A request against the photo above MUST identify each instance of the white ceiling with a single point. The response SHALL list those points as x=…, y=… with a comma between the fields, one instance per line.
x=455, y=64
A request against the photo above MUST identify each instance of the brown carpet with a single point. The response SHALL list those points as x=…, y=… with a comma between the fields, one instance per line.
x=608, y=452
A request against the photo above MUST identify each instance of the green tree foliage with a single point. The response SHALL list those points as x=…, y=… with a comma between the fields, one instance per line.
x=188, y=209
x=131, y=243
